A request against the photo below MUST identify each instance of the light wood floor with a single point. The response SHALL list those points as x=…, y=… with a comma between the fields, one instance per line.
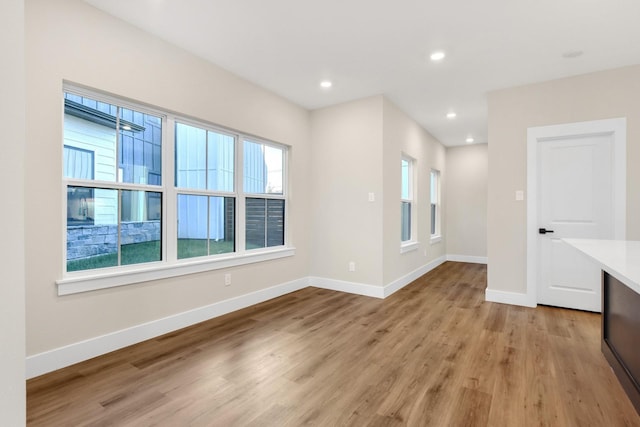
x=432, y=354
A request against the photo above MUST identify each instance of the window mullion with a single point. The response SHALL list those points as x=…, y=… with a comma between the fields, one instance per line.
x=112, y=185
x=208, y=225
x=206, y=160
x=240, y=219
x=118, y=181
x=199, y=192
x=206, y=187
x=170, y=204
x=266, y=222
x=119, y=248
x=118, y=155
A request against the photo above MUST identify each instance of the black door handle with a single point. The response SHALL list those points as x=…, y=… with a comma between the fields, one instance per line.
x=544, y=231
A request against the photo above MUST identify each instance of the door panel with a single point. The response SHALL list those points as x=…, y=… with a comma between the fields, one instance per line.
x=575, y=190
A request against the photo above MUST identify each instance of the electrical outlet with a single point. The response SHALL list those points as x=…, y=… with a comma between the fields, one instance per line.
x=227, y=279
x=352, y=266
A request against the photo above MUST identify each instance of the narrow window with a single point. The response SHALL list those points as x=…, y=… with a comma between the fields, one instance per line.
x=435, y=204
x=406, y=199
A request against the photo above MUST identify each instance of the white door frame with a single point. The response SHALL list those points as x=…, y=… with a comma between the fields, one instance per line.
x=615, y=127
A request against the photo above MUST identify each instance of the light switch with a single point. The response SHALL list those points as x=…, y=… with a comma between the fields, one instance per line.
x=519, y=195
x=372, y=197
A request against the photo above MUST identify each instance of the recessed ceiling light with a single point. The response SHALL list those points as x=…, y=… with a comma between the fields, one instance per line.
x=469, y=140
x=451, y=115
x=437, y=56
x=326, y=84
x=572, y=54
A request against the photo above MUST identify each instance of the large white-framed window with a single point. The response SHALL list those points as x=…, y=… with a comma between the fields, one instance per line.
x=407, y=204
x=150, y=194
x=435, y=207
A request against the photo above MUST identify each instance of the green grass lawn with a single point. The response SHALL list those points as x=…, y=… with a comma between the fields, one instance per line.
x=134, y=253
x=188, y=248
x=137, y=253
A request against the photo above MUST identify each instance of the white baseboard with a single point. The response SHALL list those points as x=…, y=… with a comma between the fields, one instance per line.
x=468, y=258
x=349, y=287
x=373, y=290
x=49, y=361
x=403, y=281
x=504, y=297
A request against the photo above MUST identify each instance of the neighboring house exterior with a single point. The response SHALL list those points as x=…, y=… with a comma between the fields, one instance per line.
x=90, y=152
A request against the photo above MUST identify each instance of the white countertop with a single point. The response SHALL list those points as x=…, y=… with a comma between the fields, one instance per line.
x=620, y=258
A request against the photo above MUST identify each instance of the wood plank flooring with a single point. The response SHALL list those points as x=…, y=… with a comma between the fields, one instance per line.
x=432, y=354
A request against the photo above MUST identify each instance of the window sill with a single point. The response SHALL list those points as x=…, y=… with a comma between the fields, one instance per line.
x=435, y=239
x=91, y=282
x=408, y=247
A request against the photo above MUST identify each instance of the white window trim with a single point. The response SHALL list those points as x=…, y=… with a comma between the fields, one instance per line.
x=171, y=266
x=409, y=246
x=161, y=270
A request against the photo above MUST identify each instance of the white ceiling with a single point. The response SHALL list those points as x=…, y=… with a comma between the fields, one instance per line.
x=368, y=47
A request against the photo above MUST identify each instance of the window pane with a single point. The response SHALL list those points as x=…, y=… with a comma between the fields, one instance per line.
x=191, y=149
x=89, y=126
x=275, y=222
x=92, y=228
x=222, y=218
x=255, y=224
x=192, y=226
x=264, y=223
x=405, y=221
x=140, y=227
x=434, y=187
x=433, y=218
x=263, y=167
x=140, y=148
x=404, y=194
x=206, y=225
x=220, y=161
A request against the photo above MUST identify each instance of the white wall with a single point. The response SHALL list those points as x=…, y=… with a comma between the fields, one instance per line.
x=357, y=148
x=601, y=95
x=70, y=40
x=12, y=306
x=466, y=200
x=347, y=165
x=401, y=134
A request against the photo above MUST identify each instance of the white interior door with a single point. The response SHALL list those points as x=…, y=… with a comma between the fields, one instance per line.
x=575, y=200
